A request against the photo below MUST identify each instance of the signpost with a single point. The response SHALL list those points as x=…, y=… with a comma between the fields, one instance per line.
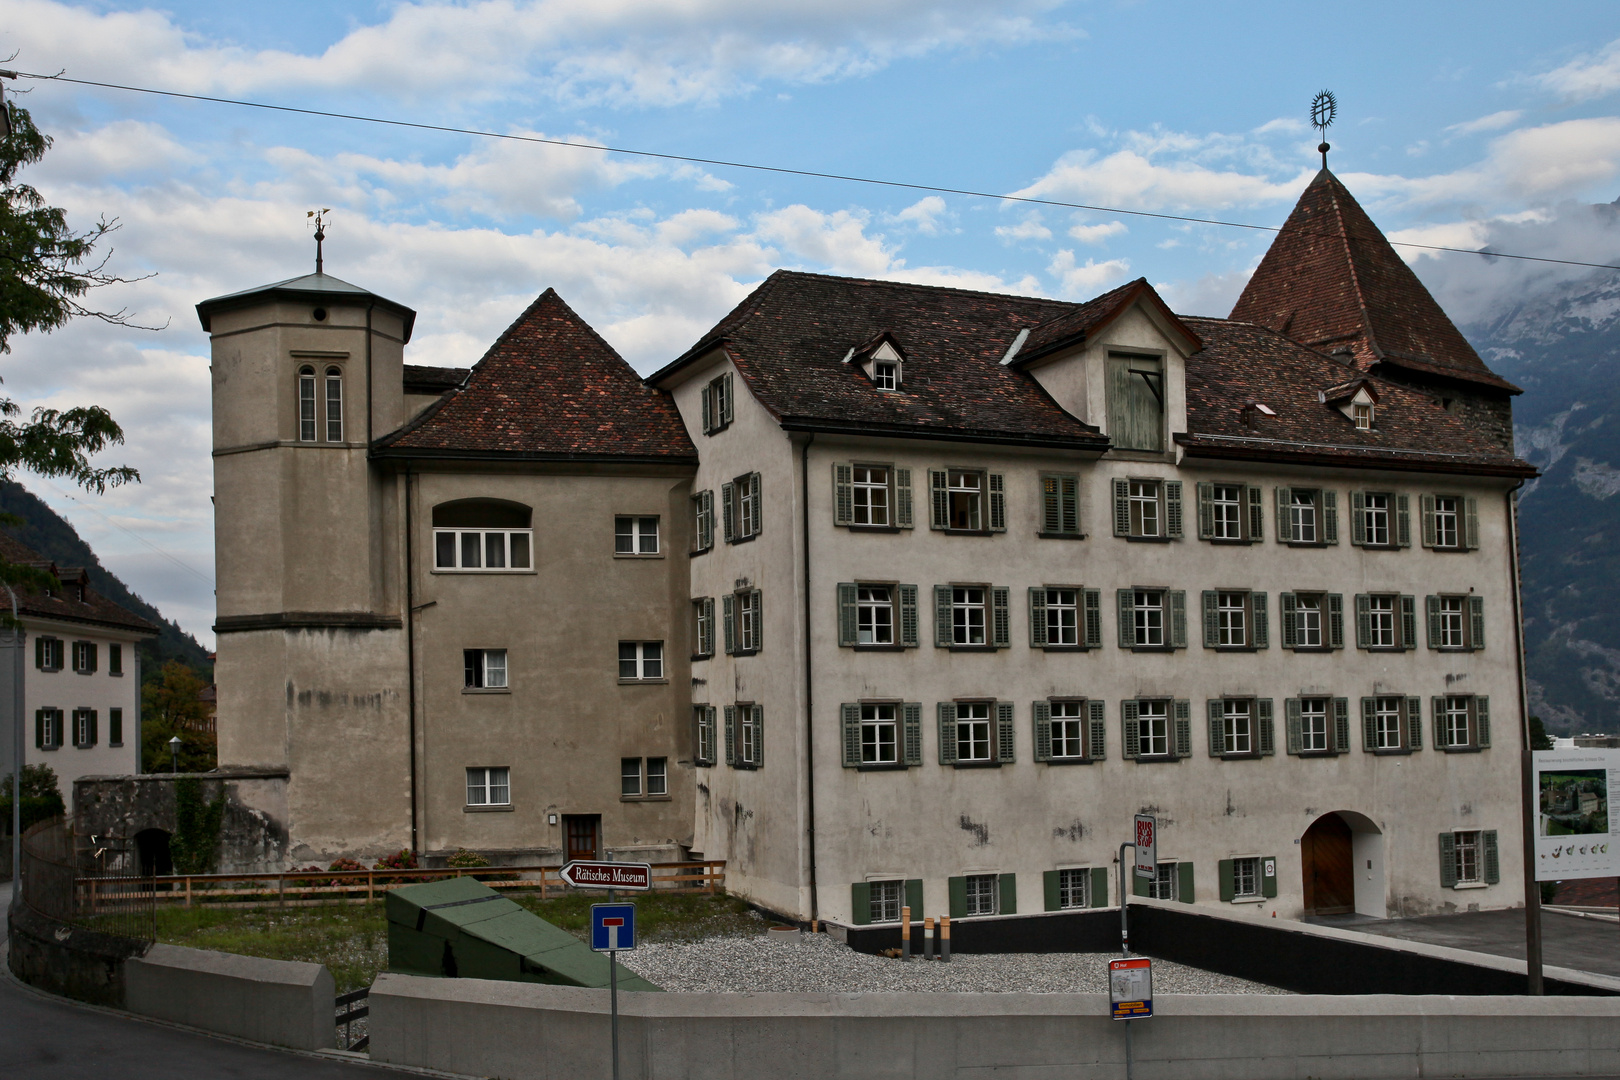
x=613, y=927
x=1130, y=987
x=1130, y=979
x=630, y=876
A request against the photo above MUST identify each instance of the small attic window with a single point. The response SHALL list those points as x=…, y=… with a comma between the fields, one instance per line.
x=1362, y=413
x=885, y=374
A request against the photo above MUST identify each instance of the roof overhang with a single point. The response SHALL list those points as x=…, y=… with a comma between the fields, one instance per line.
x=1140, y=292
x=306, y=290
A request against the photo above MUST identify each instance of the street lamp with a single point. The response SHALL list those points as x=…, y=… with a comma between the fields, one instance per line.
x=174, y=754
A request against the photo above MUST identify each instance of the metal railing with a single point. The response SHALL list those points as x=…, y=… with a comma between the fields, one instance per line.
x=84, y=887
x=351, y=1007
x=318, y=886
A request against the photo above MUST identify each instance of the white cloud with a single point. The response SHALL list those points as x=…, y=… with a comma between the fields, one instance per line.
x=1077, y=282
x=1589, y=76
x=1028, y=229
x=1496, y=121
x=1132, y=180
x=927, y=215
x=1096, y=234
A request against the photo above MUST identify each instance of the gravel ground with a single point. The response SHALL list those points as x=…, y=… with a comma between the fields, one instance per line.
x=819, y=964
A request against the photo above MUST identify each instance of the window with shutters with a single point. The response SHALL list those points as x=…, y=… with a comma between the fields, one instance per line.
x=880, y=734
x=48, y=653
x=974, y=743
x=1069, y=722
x=641, y=661
x=1226, y=512
x=1462, y=722
x=1060, y=506
x=1230, y=513
x=1302, y=517
x=1466, y=857
x=1240, y=727
x=1136, y=402
x=484, y=669
x=717, y=404
x=1307, y=517
x=1318, y=726
x=1391, y=724
x=886, y=901
x=702, y=521
x=964, y=492
x=1314, y=734
x=743, y=506
x=1237, y=723
x=1446, y=532
x=703, y=628
x=1148, y=617
x=1069, y=731
x=874, y=615
x=1062, y=618
x=983, y=894
x=1235, y=619
x=1456, y=622
x=635, y=536
x=872, y=496
x=1074, y=888
x=968, y=615
x=1380, y=519
x=750, y=735
x=1246, y=878
x=1382, y=619
x=1450, y=522
x=1145, y=516
x=1312, y=620
x=48, y=729
x=489, y=786
x=1166, y=883
x=703, y=734
x=748, y=606
x=1153, y=720
x=1147, y=509
x=1389, y=718
x=84, y=728
x=84, y=657
x=869, y=495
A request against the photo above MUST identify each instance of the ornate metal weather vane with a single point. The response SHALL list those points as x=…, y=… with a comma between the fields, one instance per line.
x=320, y=232
x=1324, y=107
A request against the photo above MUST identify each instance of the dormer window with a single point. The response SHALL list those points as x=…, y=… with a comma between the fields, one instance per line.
x=881, y=360
x=1357, y=401
x=885, y=374
x=1363, y=415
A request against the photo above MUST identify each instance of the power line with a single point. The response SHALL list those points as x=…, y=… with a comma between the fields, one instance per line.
x=777, y=169
x=97, y=511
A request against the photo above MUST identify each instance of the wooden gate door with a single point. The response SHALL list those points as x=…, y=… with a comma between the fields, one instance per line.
x=582, y=830
x=1330, y=883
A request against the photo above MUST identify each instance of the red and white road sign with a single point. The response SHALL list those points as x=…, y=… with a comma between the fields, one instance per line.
x=1147, y=846
x=631, y=876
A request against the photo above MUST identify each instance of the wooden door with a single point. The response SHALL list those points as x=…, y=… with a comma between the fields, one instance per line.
x=1329, y=866
x=582, y=832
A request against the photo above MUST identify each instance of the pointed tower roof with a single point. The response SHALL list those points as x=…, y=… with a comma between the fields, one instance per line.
x=309, y=288
x=549, y=389
x=1332, y=282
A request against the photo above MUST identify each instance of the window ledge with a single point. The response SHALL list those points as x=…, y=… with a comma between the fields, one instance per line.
x=638, y=555
x=1230, y=541
x=977, y=764
x=1152, y=648
x=1318, y=753
x=881, y=766
x=743, y=539
x=1066, y=648
x=974, y=648
x=1155, y=759
x=1462, y=749
x=854, y=526
x=1061, y=536
x=1069, y=761
x=879, y=648
x=503, y=809
x=749, y=766
x=1392, y=751
x=643, y=682
x=1149, y=539
x=1246, y=756
x=475, y=573
x=116, y=674
x=1472, y=885
x=699, y=551
x=701, y=656
x=646, y=798
x=743, y=652
x=967, y=532
x=1234, y=648
x=486, y=689
x=115, y=745
x=1248, y=900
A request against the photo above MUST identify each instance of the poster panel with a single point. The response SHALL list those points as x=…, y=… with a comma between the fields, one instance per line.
x=1576, y=835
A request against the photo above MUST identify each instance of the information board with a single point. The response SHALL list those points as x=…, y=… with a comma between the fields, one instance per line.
x=1576, y=834
x=1130, y=987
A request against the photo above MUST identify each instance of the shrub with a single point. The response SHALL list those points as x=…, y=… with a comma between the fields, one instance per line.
x=404, y=859
x=466, y=859
x=347, y=863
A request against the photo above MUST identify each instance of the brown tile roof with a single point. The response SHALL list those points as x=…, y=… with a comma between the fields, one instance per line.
x=63, y=604
x=1242, y=363
x=1331, y=281
x=549, y=389
x=1072, y=327
x=788, y=340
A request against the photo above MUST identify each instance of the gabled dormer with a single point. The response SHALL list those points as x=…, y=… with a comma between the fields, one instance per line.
x=883, y=361
x=1357, y=400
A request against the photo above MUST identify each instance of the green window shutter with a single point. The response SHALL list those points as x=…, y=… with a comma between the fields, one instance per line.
x=1268, y=733
x=843, y=494
x=848, y=628
x=1139, y=886
x=1009, y=894
x=1183, y=746
x=1286, y=611
x=758, y=605
x=1051, y=506
x=947, y=733
x=1211, y=621
x=39, y=653
x=1414, y=724
x=911, y=714
x=731, y=735
x=1369, y=724
x=1093, y=614
x=851, y=713
x=1341, y=725
x=908, y=616
x=706, y=629
x=914, y=897
x=1296, y=725
x=727, y=604
x=1097, y=737
x=1006, y=742
x=1001, y=617
x=1448, y=860
x=902, y=497
x=1262, y=620
x=95, y=721
x=1178, y=618
x=728, y=511
x=956, y=890
x=1437, y=707
x=706, y=533
x=1408, y=622
x=1482, y=721
x=1049, y=890
x=1403, y=521
x=39, y=729
x=1099, y=886
x=1228, y=884
x=1493, y=860
x=998, y=502
x=115, y=726
x=759, y=505
x=1268, y=882
x=1130, y=730
x=1330, y=517
x=707, y=397
x=1257, y=517
x=1069, y=491
x=942, y=616
x=1042, y=713
x=1037, y=617
x=1426, y=505
x=1476, y=622
x=1127, y=618
x=1285, y=530
x=1206, y=510
x=1217, y=727
x=1358, y=518
x=1471, y=523
x=1172, y=509
x=941, y=516
x=1122, y=508
x=1335, y=611
x=759, y=736
x=1431, y=605
x=860, y=903
x=1363, y=621
x=1184, y=882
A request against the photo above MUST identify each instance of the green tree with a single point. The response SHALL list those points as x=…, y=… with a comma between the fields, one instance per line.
x=1539, y=739
x=172, y=706
x=41, y=797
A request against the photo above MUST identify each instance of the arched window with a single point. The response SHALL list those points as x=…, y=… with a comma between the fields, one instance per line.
x=483, y=535
x=334, y=404
x=306, y=404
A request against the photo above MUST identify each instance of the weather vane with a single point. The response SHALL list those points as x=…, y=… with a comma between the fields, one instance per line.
x=320, y=232
x=1324, y=107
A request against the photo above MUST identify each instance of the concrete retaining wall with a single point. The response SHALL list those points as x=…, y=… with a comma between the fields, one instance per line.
x=67, y=960
x=521, y=1030
x=282, y=1002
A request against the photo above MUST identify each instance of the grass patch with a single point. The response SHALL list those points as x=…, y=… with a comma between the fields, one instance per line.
x=352, y=939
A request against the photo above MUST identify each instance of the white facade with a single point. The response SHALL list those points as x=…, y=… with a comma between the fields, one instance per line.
x=83, y=718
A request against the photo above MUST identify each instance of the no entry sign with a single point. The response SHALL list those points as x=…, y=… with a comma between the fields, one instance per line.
x=635, y=877
x=1147, y=850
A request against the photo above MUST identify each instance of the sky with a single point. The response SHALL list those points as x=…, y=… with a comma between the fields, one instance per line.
x=1468, y=125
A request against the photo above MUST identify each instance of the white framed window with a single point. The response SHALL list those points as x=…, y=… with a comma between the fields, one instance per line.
x=630, y=778
x=1363, y=415
x=749, y=750
x=48, y=653
x=965, y=498
x=489, y=786
x=1226, y=503
x=1153, y=725
x=880, y=734
x=1313, y=725
x=1388, y=722
x=748, y=505
x=334, y=404
x=1453, y=621
x=717, y=404
x=1068, y=729
x=1149, y=617
x=703, y=521
x=869, y=495
x=973, y=741
x=48, y=729
x=1144, y=501
x=641, y=660
x=1454, y=722
x=1447, y=522
x=84, y=657
x=1375, y=518
x=306, y=404
x=968, y=615
x=657, y=777
x=485, y=550
x=485, y=669
x=885, y=374
x=84, y=728
x=635, y=536
x=1238, y=725
x=748, y=604
x=1382, y=615
x=1465, y=857
x=1308, y=621
x=1246, y=883
x=1166, y=883
x=1063, y=617
x=703, y=618
x=1074, y=888
x=1302, y=517
x=874, y=615
x=886, y=901
x=1231, y=618
x=703, y=721
x=983, y=893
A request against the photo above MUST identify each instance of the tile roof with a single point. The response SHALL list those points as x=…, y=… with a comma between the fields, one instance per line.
x=1072, y=327
x=309, y=288
x=549, y=389
x=1331, y=281
x=788, y=340
x=64, y=604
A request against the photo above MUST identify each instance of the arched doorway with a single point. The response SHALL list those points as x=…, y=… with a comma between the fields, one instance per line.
x=152, y=845
x=1342, y=860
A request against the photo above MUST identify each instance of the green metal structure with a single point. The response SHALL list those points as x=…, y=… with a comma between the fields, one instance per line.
x=461, y=928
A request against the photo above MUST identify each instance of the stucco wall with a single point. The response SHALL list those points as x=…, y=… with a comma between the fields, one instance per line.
x=69, y=690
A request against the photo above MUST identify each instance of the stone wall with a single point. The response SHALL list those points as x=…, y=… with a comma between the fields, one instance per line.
x=253, y=832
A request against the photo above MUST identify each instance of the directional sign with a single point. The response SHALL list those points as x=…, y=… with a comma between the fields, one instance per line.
x=613, y=927
x=1147, y=847
x=1130, y=988
x=632, y=876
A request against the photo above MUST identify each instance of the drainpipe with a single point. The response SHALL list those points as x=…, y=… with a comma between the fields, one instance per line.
x=809, y=683
x=1527, y=769
x=19, y=742
x=410, y=645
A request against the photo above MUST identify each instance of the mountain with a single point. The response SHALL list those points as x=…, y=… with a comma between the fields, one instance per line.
x=48, y=533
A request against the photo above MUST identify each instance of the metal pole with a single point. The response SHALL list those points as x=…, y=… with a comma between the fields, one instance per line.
x=1530, y=802
x=1128, y=1062
x=19, y=740
x=905, y=933
x=613, y=997
x=1124, y=907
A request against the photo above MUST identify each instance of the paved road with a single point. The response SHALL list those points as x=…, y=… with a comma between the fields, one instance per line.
x=1566, y=941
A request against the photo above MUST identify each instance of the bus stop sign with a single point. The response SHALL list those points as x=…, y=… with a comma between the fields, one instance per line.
x=1130, y=988
x=1147, y=850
